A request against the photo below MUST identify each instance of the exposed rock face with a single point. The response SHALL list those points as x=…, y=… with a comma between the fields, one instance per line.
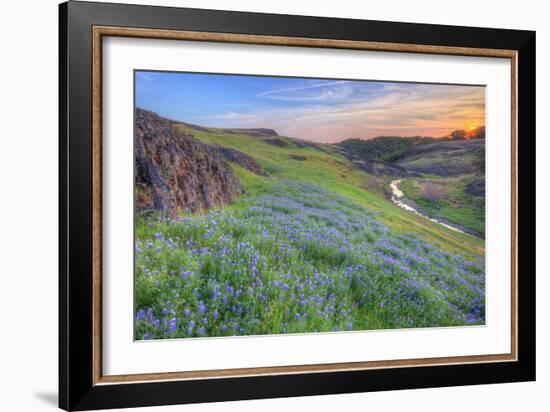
x=242, y=159
x=175, y=171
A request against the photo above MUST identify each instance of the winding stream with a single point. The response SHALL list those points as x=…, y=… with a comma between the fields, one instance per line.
x=398, y=198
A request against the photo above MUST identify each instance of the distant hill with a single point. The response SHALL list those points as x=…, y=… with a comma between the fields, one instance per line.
x=259, y=132
x=445, y=157
x=394, y=148
x=256, y=132
x=383, y=148
x=355, y=152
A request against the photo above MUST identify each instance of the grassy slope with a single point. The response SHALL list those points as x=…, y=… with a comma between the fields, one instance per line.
x=447, y=167
x=444, y=158
x=309, y=248
x=380, y=148
x=446, y=198
x=336, y=174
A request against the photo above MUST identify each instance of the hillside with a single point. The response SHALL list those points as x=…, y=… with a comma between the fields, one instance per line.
x=441, y=178
x=443, y=158
x=331, y=167
x=459, y=146
x=312, y=244
x=382, y=148
x=447, y=181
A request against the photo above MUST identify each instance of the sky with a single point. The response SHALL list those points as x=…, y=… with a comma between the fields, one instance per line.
x=321, y=110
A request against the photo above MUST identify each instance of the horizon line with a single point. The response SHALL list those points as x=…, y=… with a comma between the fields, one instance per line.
x=308, y=140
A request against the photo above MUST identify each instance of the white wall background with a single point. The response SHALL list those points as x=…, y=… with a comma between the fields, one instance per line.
x=28, y=204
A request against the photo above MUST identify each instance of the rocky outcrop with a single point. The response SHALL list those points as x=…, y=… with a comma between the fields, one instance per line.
x=242, y=159
x=175, y=171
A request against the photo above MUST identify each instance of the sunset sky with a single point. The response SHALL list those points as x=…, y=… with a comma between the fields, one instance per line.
x=312, y=109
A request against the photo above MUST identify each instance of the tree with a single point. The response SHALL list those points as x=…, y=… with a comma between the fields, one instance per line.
x=458, y=134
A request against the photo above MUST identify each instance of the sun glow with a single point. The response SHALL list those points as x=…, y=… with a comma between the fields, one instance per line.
x=320, y=110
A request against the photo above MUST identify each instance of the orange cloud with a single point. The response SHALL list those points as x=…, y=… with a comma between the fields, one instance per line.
x=402, y=110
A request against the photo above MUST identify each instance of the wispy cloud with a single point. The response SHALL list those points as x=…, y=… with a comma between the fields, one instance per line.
x=323, y=84
x=336, y=90
x=405, y=110
x=312, y=109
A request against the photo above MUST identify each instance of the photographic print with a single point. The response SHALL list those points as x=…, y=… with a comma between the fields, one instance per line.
x=280, y=205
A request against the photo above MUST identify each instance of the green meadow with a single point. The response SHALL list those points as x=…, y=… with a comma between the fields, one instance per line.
x=312, y=245
x=333, y=172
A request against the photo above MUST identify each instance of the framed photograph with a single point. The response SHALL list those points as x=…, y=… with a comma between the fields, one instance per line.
x=257, y=205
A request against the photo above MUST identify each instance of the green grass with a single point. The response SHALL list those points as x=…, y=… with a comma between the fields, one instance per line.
x=311, y=247
x=385, y=148
x=448, y=200
x=292, y=257
x=335, y=173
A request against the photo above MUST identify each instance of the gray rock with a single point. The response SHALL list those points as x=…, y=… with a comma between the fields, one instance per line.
x=176, y=172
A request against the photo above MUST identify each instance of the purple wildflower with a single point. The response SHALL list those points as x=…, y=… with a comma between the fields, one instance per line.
x=172, y=325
